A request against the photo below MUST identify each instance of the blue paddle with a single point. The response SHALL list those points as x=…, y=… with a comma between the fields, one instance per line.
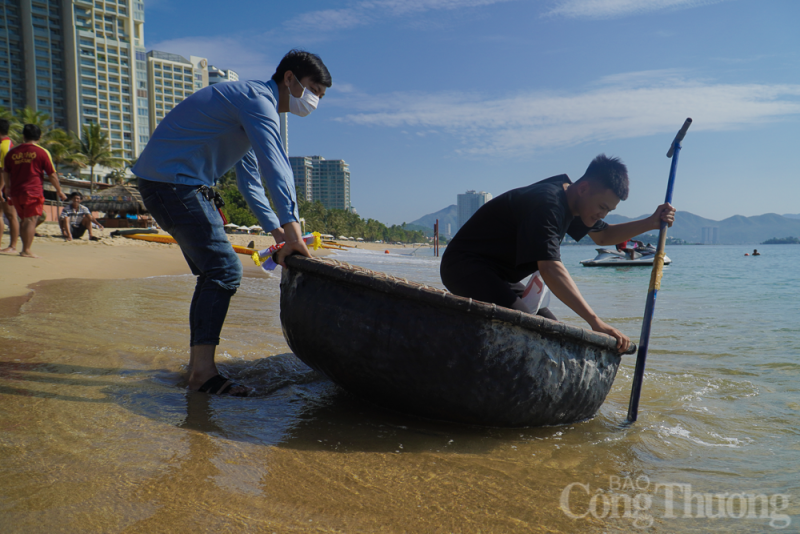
x=655, y=282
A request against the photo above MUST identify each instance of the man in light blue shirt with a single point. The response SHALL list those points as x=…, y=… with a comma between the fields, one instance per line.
x=226, y=125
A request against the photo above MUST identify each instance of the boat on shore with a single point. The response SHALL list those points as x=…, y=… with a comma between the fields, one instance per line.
x=606, y=257
x=421, y=350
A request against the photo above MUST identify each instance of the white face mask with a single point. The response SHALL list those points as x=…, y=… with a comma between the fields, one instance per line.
x=305, y=104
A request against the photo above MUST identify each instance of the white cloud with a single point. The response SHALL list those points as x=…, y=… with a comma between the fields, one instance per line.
x=617, y=107
x=598, y=9
x=343, y=87
x=369, y=11
x=245, y=55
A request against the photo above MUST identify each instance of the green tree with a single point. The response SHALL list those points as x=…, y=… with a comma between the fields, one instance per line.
x=96, y=147
x=64, y=149
x=117, y=176
x=236, y=209
x=317, y=217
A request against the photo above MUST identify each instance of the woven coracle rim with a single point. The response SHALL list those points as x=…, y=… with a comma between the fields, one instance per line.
x=382, y=282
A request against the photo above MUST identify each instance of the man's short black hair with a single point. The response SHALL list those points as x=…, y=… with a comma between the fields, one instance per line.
x=610, y=173
x=4, y=126
x=75, y=194
x=303, y=64
x=31, y=132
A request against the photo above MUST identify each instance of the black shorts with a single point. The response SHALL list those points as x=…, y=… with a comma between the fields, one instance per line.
x=475, y=279
x=77, y=231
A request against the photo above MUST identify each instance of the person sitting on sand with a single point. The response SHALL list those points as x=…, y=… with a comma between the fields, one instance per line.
x=219, y=127
x=75, y=219
x=11, y=214
x=520, y=232
x=24, y=169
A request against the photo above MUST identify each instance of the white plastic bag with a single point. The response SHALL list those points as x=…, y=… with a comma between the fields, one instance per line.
x=536, y=294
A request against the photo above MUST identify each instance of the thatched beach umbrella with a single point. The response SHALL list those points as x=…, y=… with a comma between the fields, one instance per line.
x=120, y=199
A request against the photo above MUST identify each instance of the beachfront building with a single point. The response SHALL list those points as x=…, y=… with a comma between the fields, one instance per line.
x=710, y=235
x=302, y=168
x=468, y=204
x=323, y=180
x=171, y=78
x=36, y=53
x=74, y=60
x=217, y=75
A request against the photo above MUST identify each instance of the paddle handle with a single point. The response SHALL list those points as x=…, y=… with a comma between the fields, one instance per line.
x=655, y=282
x=678, y=139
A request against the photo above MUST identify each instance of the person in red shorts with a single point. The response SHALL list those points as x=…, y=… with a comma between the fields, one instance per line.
x=11, y=214
x=24, y=170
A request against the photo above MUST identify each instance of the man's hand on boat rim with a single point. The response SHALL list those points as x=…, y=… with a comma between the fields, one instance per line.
x=293, y=244
x=623, y=341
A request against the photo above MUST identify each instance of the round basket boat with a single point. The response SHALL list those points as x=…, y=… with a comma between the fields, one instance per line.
x=421, y=350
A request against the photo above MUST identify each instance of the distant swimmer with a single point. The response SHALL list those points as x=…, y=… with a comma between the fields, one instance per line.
x=756, y=252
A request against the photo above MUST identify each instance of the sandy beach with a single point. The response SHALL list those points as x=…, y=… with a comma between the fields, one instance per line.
x=112, y=258
x=106, y=259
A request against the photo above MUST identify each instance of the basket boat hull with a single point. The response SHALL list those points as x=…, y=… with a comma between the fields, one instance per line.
x=423, y=351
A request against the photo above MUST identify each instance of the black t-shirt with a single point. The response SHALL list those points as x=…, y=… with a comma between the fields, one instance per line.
x=519, y=228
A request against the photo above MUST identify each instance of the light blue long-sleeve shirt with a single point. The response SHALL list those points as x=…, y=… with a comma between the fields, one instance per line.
x=219, y=127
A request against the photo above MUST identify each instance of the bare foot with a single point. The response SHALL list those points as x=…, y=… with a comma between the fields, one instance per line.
x=8, y=250
x=28, y=254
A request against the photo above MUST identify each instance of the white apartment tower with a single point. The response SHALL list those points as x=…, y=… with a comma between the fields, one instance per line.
x=323, y=180
x=84, y=61
x=303, y=170
x=76, y=61
x=171, y=78
x=468, y=204
x=217, y=75
x=37, y=58
x=111, y=86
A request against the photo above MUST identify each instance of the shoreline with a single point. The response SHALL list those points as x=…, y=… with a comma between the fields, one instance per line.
x=115, y=258
x=110, y=258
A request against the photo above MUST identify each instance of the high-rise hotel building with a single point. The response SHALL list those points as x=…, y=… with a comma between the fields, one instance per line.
x=37, y=57
x=468, y=204
x=79, y=61
x=171, y=79
x=323, y=180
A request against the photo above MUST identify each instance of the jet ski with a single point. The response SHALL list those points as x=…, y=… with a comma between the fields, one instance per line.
x=625, y=256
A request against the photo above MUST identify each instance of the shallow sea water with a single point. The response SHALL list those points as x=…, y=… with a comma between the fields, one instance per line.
x=97, y=433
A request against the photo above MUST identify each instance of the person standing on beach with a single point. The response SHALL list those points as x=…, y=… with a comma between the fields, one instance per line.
x=11, y=214
x=519, y=233
x=24, y=169
x=219, y=127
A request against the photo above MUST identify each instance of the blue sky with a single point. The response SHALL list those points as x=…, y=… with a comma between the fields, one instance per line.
x=434, y=97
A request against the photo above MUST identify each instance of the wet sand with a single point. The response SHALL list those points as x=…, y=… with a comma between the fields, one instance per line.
x=98, y=434
x=106, y=259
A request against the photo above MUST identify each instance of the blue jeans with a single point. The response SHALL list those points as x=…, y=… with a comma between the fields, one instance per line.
x=196, y=225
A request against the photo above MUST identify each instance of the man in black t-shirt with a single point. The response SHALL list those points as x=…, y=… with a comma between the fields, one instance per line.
x=520, y=232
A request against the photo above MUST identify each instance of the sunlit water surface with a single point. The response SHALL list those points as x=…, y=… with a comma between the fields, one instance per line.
x=97, y=433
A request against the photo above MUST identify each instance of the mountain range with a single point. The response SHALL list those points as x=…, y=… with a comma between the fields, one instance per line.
x=736, y=230
x=448, y=215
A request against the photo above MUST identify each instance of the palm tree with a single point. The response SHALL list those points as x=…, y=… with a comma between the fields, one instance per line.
x=118, y=176
x=64, y=149
x=28, y=115
x=95, y=146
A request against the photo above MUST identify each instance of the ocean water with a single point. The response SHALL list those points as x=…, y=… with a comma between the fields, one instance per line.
x=97, y=433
